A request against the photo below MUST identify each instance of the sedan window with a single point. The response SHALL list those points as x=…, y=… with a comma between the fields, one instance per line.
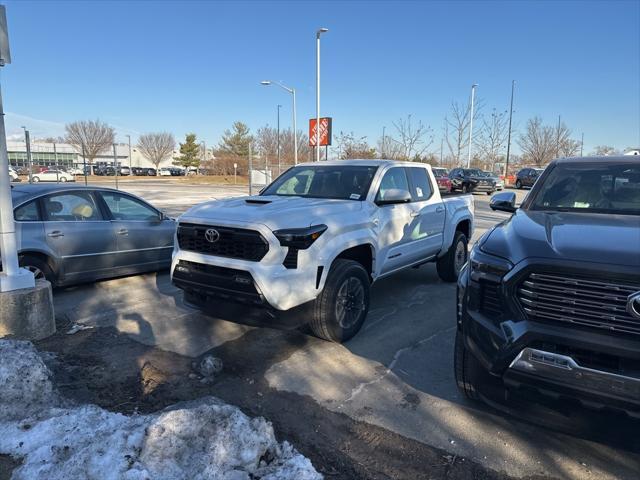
x=71, y=207
x=123, y=207
x=27, y=212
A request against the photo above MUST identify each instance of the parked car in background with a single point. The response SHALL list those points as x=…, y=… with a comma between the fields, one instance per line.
x=52, y=175
x=71, y=233
x=526, y=177
x=13, y=176
x=471, y=180
x=442, y=177
x=309, y=246
x=549, y=302
x=76, y=171
x=165, y=172
x=143, y=171
x=496, y=178
x=124, y=171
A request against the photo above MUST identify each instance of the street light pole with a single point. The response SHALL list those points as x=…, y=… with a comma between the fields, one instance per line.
x=318, y=33
x=115, y=163
x=27, y=141
x=292, y=91
x=130, y=169
x=473, y=93
x=278, y=139
x=581, y=143
x=506, y=166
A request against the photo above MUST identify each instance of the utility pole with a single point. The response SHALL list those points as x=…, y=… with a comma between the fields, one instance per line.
x=318, y=33
x=384, y=128
x=55, y=159
x=130, y=169
x=84, y=165
x=558, y=139
x=506, y=166
x=250, y=170
x=581, y=144
x=115, y=163
x=441, y=146
x=473, y=93
x=27, y=141
x=278, y=141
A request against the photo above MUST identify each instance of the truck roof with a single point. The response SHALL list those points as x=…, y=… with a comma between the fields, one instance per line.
x=365, y=162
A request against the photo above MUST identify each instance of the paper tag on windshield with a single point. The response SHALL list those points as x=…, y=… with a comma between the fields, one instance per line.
x=419, y=191
x=354, y=196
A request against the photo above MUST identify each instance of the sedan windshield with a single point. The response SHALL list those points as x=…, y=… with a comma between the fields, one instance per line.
x=346, y=182
x=612, y=188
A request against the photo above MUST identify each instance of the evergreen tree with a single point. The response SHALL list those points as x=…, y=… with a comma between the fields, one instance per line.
x=237, y=140
x=189, y=152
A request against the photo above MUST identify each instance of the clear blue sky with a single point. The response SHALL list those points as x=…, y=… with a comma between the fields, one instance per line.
x=196, y=66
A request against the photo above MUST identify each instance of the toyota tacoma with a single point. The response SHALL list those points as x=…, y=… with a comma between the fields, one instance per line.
x=549, y=302
x=308, y=247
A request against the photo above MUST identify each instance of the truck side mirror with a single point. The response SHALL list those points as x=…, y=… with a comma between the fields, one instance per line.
x=504, y=202
x=393, y=196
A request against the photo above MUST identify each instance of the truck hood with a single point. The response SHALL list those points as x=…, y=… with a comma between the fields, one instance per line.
x=582, y=237
x=275, y=212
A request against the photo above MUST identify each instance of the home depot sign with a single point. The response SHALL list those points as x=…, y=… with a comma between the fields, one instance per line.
x=325, y=131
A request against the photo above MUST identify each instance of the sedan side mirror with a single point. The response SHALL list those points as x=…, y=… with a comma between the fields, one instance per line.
x=393, y=196
x=504, y=202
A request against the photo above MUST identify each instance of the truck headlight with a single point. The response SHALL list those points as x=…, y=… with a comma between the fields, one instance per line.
x=300, y=238
x=487, y=267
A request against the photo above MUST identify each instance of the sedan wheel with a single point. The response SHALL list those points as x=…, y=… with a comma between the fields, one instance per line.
x=63, y=179
x=35, y=179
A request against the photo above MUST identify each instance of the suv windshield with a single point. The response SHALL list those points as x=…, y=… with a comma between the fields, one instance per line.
x=473, y=172
x=439, y=172
x=612, y=188
x=346, y=182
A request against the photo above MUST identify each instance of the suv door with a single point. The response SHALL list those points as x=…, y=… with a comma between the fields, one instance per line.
x=394, y=223
x=78, y=233
x=144, y=235
x=427, y=226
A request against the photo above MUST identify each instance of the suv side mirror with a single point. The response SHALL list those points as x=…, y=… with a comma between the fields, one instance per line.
x=504, y=202
x=393, y=196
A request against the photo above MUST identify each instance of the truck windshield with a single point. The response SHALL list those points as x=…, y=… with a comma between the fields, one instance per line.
x=610, y=188
x=346, y=182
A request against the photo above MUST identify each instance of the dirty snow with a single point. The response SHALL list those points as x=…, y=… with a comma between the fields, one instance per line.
x=203, y=439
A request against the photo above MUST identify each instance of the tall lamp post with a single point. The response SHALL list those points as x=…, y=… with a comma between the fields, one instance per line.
x=318, y=33
x=292, y=91
x=278, y=139
x=130, y=169
x=27, y=141
x=506, y=166
x=473, y=94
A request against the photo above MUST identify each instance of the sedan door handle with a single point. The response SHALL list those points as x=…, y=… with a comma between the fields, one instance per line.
x=123, y=231
x=439, y=209
x=55, y=234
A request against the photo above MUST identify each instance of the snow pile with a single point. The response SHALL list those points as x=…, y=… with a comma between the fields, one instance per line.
x=203, y=439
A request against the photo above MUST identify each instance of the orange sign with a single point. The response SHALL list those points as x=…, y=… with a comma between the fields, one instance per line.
x=325, y=131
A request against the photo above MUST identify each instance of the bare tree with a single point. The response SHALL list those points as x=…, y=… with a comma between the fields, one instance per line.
x=350, y=146
x=602, y=150
x=538, y=143
x=156, y=146
x=266, y=140
x=492, y=136
x=89, y=137
x=456, y=127
x=413, y=140
x=565, y=145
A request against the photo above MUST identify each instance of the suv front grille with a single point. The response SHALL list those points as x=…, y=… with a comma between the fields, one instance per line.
x=231, y=242
x=594, y=303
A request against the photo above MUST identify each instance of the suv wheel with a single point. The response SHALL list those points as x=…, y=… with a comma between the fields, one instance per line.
x=466, y=369
x=39, y=267
x=450, y=264
x=518, y=184
x=341, y=308
x=465, y=188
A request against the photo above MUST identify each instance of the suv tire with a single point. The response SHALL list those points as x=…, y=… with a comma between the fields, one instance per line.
x=342, y=306
x=518, y=184
x=450, y=264
x=465, y=188
x=466, y=369
x=39, y=267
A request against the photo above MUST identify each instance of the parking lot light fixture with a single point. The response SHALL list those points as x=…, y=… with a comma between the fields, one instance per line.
x=318, y=33
x=292, y=91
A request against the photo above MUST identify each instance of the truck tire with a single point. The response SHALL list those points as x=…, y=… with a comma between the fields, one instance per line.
x=450, y=264
x=39, y=267
x=466, y=370
x=341, y=308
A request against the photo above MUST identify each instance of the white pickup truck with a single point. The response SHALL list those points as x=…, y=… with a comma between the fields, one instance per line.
x=309, y=246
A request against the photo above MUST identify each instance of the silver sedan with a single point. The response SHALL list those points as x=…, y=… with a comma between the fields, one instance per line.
x=71, y=234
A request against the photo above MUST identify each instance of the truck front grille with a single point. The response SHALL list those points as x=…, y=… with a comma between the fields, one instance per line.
x=228, y=242
x=594, y=303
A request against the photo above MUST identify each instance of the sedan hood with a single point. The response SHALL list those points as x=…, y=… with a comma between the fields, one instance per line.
x=582, y=237
x=275, y=212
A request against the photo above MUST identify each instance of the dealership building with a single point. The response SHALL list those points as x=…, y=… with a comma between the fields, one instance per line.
x=64, y=155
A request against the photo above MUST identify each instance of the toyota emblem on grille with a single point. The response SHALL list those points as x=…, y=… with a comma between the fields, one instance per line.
x=633, y=305
x=212, y=235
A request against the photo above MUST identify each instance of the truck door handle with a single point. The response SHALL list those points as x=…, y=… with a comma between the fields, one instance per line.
x=415, y=214
x=55, y=234
x=439, y=209
x=376, y=222
x=123, y=231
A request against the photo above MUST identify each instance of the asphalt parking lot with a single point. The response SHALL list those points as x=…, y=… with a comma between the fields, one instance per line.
x=396, y=373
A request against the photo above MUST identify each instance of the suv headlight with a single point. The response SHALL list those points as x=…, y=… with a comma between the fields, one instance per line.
x=483, y=266
x=300, y=238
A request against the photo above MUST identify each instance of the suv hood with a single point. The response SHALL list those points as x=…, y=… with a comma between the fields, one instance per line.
x=275, y=212
x=582, y=237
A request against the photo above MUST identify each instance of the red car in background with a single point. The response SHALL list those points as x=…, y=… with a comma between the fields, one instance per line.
x=442, y=177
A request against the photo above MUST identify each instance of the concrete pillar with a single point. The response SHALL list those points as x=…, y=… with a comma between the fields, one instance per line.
x=27, y=313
